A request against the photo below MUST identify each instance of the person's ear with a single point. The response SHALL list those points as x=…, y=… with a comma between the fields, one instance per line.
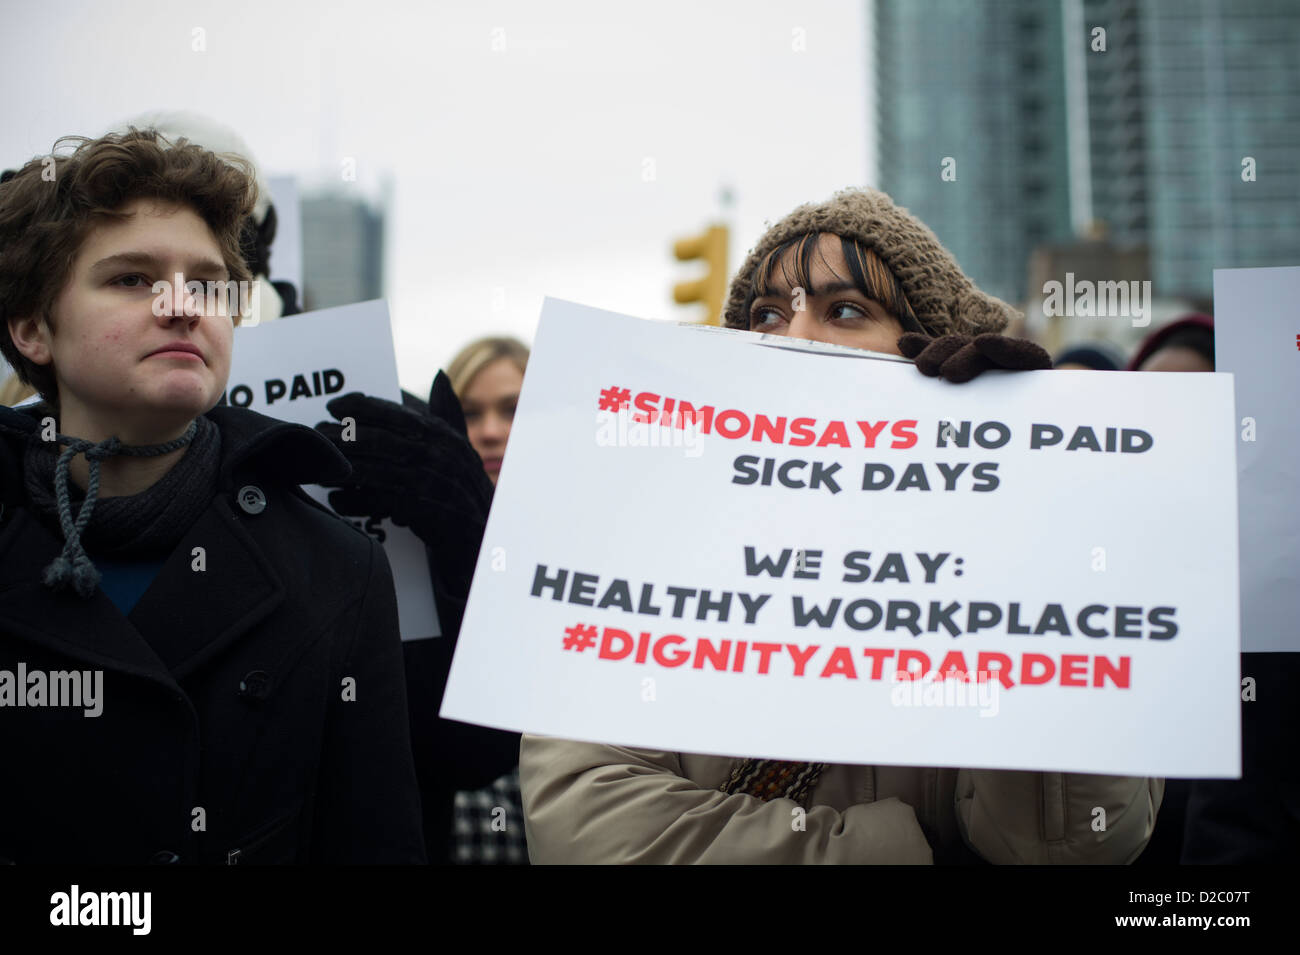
x=31, y=336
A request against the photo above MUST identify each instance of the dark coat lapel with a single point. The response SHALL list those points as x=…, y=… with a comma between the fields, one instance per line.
x=188, y=615
x=191, y=615
x=89, y=630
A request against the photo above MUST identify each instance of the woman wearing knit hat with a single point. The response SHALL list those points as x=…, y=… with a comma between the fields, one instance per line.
x=912, y=298
x=198, y=663
x=856, y=270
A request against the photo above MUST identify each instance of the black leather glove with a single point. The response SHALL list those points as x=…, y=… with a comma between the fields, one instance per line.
x=416, y=469
x=960, y=358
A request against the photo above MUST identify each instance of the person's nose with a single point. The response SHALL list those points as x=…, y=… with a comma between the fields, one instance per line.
x=804, y=324
x=177, y=307
x=495, y=428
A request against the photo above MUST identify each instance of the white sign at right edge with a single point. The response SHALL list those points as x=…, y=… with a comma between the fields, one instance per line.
x=1257, y=337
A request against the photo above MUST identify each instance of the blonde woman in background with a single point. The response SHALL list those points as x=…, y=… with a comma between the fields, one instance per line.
x=487, y=375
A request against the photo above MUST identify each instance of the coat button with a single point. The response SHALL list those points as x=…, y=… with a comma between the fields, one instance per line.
x=164, y=857
x=251, y=499
x=256, y=683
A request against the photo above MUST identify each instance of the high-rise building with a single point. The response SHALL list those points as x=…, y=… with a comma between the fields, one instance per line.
x=342, y=251
x=976, y=89
x=1178, y=127
x=1110, y=91
x=1194, y=126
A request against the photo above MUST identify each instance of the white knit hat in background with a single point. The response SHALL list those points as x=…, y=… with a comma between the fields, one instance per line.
x=208, y=133
x=201, y=130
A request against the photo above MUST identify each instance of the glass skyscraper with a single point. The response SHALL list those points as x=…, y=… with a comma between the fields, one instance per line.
x=1203, y=88
x=981, y=83
x=1151, y=135
x=343, y=251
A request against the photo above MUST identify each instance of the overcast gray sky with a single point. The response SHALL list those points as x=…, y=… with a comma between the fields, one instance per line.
x=522, y=169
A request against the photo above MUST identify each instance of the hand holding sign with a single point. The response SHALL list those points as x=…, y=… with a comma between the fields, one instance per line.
x=959, y=358
x=414, y=468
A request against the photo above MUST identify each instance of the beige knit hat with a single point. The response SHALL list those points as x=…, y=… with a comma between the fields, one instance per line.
x=943, y=298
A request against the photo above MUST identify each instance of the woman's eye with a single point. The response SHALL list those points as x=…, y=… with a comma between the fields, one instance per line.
x=846, y=311
x=762, y=318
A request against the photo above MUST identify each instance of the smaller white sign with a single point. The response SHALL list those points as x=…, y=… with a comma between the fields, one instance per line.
x=1257, y=336
x=291, y=369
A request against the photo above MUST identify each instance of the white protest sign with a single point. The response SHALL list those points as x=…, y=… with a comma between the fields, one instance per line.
x=1257, y=337
x=753, y=586
x=291, y=369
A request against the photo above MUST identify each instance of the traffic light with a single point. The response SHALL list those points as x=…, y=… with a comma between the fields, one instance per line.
x=712, y=288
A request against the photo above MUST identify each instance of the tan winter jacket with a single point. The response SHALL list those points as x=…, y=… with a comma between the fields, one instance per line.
x=592, y=803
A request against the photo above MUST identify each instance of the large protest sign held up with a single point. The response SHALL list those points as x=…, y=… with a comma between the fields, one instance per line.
x=1257, y=336
x=290, y=369
x=1046, y=559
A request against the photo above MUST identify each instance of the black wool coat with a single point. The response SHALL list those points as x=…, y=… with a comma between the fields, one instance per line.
x=227, y=733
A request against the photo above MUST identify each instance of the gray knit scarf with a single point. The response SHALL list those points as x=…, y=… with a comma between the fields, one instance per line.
x=137, y=527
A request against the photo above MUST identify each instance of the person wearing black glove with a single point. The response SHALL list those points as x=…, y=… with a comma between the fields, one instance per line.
x=413, y=463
